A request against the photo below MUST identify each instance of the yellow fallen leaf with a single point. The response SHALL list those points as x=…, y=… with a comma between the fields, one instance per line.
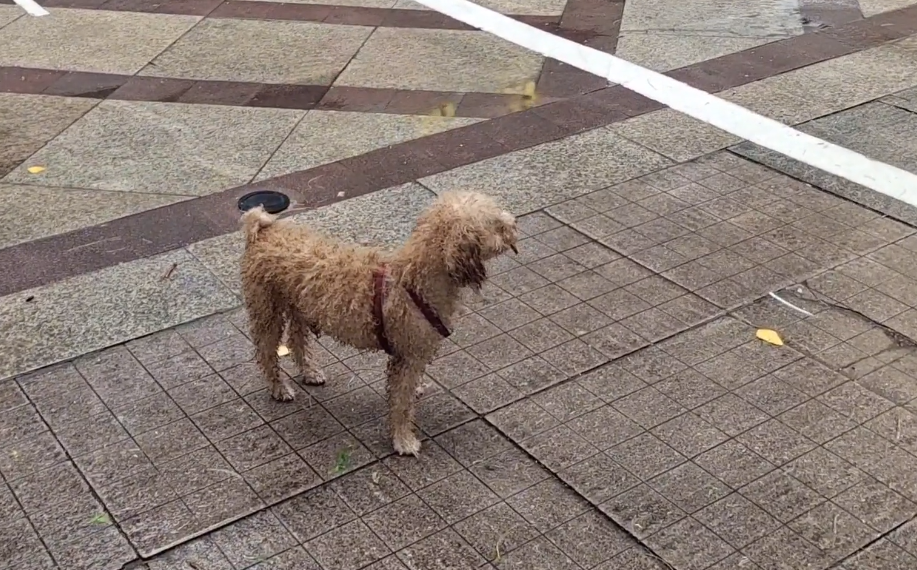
x=769, y=336
x=36, y=169
x=282, y=350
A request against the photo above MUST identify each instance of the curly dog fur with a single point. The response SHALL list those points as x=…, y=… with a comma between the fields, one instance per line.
x=321, y=286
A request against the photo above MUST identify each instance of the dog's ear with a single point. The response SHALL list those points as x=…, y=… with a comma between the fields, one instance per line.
x=466, y=265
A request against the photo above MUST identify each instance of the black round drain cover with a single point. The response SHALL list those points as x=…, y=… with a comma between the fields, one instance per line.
x=273, y=202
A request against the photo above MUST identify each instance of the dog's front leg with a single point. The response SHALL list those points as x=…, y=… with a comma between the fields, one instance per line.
x=404, y=377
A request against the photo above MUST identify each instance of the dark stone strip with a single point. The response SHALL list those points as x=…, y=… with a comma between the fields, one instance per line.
x=324, y=13
x=242, y=94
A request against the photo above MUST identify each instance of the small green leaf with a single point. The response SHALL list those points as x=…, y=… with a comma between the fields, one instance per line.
x=101, y=519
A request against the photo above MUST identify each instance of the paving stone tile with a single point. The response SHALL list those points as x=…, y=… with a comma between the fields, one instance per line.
x=21, y=547
x=558, y=447
x=292, y=559
x=149, y=413
x=810, y=376
x=619, y=304
x=610, y=382
x=547, y=504
x=626, y=242
x=304, y=428
x=440, y=412
x=496, y=531
x=580, y=319
x=541, y=335
x=855, y=402
x=252, y=539
x=881, y=555
x=472, y=442
x=645, y=456
x=689, y=434
x=281, y=478
x=688, y=544
x=891, y=384
x=445, y=549
x=737, y=520
x=32, y=491
x=70, y=520
x=816, y=421
x=615, y=340
x=487, y=393
x=456, y=369
x=404, y=522
x=519, y=280
x=781, y=495
x=538, y=554
x=227, y=353
x=369, y=489
x=157, y=347
x=499, y=352
x=784, y=550
x=592, y=255
x=771, y=394
x=642, y=511
x=117, y=377
x=9, y=506
x=347, y=547
x=104, y=549
x=170, y=441
x=227, y=420
x=690, y=388
x=202, y=394
x=648, y=407
x=689, y=487
x=195, y=471
x=23, y=457
x=604, y=427
x=876, y=505
x=336, y=455
x=201, y=551
x=313, y=513
x=574, y=357
x=252, y=448
x=634, y=558
x=833, y=530
x=433, y=465
x=458, y=496
x=905, y=536
x=136, y=493
x=356, y=407
x=226, y=500
x=623, y=272
x=598, y=478
x=775, y=442
x=734, y=464
x=590, y=539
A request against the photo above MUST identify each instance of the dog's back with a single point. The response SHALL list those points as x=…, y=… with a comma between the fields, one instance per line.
x=285, y=264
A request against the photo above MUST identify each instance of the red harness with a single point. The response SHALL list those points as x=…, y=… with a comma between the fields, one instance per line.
x=379, y=292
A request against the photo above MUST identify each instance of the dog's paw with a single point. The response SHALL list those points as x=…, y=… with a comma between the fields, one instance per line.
x=282, y=393
x=407, y=445
x=419, y=390
x=313, y=378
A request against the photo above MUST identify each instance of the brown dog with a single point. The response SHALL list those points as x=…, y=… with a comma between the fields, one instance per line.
x=400, y=302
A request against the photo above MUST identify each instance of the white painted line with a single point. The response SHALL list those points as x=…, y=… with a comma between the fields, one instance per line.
x=32, y=7
x=791, y=305
x=768, y=133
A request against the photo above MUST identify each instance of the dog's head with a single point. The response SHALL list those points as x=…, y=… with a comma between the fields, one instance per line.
x=473, y=229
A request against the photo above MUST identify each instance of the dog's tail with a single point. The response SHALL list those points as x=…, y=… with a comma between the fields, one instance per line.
x=253, y=221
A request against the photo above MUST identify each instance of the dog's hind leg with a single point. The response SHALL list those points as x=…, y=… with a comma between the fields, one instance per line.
x=404, y=377
x=301, y=345
x=267, y=322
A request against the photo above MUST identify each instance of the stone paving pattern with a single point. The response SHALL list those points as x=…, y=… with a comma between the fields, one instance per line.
x=606, y=389
x=603, y=405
